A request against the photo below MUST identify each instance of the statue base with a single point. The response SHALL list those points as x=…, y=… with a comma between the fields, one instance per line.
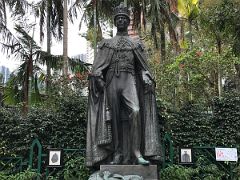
x=146, y=172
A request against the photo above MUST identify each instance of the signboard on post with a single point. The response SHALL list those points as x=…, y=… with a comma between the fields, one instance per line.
x=55, y=157
x=226, y=154
x=185, y=156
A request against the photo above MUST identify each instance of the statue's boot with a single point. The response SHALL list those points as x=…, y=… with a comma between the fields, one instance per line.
x=142, y=161
x=117, y=159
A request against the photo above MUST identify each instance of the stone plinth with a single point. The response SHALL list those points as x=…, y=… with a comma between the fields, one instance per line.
x=147, y=172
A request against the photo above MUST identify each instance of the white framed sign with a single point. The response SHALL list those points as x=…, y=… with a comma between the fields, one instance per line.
x=226, y=154
x=185, y=156
x=54, y=157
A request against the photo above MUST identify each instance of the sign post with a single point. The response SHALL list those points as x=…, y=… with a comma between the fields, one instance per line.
x=226, y=154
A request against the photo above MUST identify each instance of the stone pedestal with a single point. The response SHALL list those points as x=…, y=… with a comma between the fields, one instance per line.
x=147, y=172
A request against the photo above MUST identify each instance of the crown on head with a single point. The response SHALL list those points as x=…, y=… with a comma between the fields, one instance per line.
x=121, y=10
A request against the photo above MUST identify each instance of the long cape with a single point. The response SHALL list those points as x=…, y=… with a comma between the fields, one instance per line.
x=99, y=136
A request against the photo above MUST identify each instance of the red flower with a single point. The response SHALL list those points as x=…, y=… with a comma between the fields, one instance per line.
x=181, y=66
x=199, y=53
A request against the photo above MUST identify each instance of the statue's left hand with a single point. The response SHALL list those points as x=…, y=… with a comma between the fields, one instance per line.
x=100, y=83
x=146, y=79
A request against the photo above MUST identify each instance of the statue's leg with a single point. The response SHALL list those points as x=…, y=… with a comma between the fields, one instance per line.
x=126, y=145
x=130, y=99
x=114, y=105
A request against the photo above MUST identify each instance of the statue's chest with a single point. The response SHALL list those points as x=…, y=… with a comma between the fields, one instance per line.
x=123, y=52
x=123, y=60
x=123, y=57
x=123, y=44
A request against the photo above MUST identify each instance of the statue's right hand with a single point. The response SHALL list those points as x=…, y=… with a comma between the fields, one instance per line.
x=100, y=83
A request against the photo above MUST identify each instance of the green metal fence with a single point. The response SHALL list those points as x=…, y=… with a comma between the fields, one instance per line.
x=209, y=153
x=38, y=158
x=11, y=164
x=168, y=151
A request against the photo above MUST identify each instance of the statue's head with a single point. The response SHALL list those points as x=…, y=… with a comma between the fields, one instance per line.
x=121, y=17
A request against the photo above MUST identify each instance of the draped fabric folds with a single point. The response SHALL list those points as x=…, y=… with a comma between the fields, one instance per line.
x=99, y=132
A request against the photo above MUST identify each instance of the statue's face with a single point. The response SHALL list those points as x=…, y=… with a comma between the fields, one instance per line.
x=121, y=22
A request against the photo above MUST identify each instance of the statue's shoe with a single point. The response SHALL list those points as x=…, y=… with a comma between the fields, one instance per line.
x=142, y=161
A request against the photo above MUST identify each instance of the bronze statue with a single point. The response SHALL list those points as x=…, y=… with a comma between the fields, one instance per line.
x=122, y=117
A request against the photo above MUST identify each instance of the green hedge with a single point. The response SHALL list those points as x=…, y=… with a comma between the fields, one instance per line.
x=203, y=170
x=64, y=126
x=26, y=175
x=196, y=125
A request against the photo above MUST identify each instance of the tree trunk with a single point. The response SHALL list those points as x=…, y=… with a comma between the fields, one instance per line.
x=48, y=77
x=163, y=42
x=219, y=46
x=154, y=34
x=190, y=34
x=25, y=93
x=181, y=35
x=237, y=81
x=65, y=39
x=27, y=86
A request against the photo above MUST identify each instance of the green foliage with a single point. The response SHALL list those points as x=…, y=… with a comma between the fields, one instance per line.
x=226, y=120
x=220, y=20
x=193, y=76
x=61, y=125
x=203, y=170
x=12, y=94
x=177, y=172
x=10, y=118
x=3, y=150
x=188, y=9
x=26, y=175
x=236, y=172
x=194, y=73
x=76, y=169
x=191, y=121
x=216, y=126
x=65, y=126
x=71, y=122
x=208, y=170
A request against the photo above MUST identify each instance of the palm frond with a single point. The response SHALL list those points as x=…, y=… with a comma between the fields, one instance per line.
x=73, y=11
x=18, y=7
x=54, y=61
x=21, y=45
x=8, y=40
x=57, y=19
x=12, y=92
x=3, y=14
x=55, y=10
x=77, y=65
x=40, y=12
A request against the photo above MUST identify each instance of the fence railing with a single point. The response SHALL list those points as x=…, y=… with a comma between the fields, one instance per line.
x=209, y=153
x=11, y=164
x=36, y=161
x=38, y=158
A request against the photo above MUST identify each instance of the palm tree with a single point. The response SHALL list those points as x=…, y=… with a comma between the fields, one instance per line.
x=22, y=46
x=56, y=16
x=189, y=10
x=50, y=12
